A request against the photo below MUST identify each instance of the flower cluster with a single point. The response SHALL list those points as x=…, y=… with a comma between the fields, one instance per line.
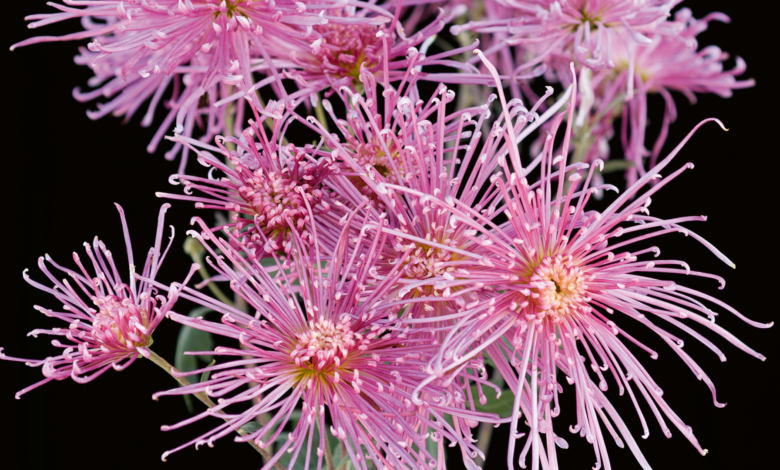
x=379, y=272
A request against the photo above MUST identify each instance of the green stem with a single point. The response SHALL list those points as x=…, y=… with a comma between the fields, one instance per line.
x=319, y=111
x=212, y=287
x=486, y=429
x=167, y=367
x=328, y=453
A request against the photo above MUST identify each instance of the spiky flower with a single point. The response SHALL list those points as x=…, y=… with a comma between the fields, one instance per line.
x=323, y=344
x=205, y=50
x=268, y=187
x=110, y=321
x=586, y=29
x=344, y=51
x=670, y=63
x=558, y=280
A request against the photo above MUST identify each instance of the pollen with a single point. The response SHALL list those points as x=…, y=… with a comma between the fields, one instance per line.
x=119, y=323
x=326, y=345
x=559, y=289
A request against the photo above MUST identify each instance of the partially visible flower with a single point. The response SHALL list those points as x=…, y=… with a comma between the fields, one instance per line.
x=346, y=50
x=110, y=322
x=585, y=29
x=206, y=50
x=268, y=187
x=327, y=346
x=561, y=280
x=669, y=63
x=672, y=63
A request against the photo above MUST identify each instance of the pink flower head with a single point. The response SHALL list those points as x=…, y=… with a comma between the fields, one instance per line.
x=200, y=48
x=558, y=281
x=383, y=50
x=585, y=29
x=268, y=186
x=320, y=340
x=109, y=321
x=671, y=63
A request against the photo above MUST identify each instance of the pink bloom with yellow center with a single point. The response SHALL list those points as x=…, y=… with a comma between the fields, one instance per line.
x=385, y=51
x=559, y=280
x=671, y=63
x=336, y=353
x=110, y=322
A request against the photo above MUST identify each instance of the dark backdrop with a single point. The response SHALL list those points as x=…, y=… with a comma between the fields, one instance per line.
x=63, y=172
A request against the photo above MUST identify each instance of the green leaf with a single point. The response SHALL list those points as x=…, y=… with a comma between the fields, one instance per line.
x=191, y=339
x=612, y=166
x=251, y=427
x=433, y=448
x=501, y=406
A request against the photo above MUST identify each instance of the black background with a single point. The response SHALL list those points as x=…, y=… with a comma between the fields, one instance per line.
x=62, y=172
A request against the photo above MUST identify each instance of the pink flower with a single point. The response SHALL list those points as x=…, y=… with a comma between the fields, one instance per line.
x=345, y=50
x=557, y=281
x=268, y=186
x=109, y=321
x=336, y=348
x=671, y=63
x=586, y=29
x=201, y=48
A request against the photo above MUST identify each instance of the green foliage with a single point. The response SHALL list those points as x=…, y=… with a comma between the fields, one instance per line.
x=191, y=339
x=501, y=406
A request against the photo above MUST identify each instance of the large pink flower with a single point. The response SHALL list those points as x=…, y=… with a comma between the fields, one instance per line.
x=558, y=279
x=110, y=322
x=392, y=146
x=321, y=342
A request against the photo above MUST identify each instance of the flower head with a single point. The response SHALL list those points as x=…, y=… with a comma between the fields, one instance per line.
x=110, y=322
x=585, y=29
x=269, y=187
x=413, y=147
x=559, y=280
x=327, y=343
x=672, y=63
x=206, y=51
x=347, y=50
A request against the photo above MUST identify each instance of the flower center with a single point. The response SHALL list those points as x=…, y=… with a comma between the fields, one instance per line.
x=326, y=345
x=279, y=200
x=346, y=47
x=370, y=157
x=120, y=324
x=425, y=261
x=559, y=289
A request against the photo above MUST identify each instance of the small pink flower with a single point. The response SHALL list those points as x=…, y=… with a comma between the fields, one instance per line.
x=110, y=322
x=672, y=63
x=586, y=29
